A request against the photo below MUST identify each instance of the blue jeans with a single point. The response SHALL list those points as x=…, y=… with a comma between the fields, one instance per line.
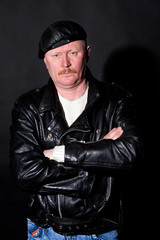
x=38, y=233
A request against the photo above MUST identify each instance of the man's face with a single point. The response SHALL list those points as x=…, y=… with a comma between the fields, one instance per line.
x=66, y=64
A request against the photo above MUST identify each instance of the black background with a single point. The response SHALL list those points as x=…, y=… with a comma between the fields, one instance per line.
x=125, y=42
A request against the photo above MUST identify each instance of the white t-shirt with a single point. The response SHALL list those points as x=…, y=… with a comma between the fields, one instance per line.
x=72, y=110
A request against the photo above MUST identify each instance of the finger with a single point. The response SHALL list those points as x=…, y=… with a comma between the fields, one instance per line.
x=110, y=134
x=114, y=133
x=48, y=153
x=117, y=133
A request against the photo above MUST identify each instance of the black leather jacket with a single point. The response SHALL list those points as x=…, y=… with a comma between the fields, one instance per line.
x=81, y=195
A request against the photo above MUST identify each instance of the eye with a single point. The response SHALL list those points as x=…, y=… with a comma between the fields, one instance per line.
x=73, y=53
x=56, y=55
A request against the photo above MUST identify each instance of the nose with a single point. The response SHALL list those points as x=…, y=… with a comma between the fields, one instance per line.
x=66, y=61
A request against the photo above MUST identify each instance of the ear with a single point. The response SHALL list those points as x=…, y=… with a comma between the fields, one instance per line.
x=88, y=52
x=45, y=62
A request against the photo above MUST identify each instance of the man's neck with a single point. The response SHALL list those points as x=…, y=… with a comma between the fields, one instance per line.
x=73, y=93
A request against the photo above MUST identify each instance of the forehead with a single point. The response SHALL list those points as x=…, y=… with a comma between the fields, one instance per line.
x=79, y=44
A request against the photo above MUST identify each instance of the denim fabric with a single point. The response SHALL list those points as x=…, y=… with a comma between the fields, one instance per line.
x=38, y=233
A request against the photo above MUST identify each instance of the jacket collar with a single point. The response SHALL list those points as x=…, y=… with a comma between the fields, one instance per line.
x=50, y=99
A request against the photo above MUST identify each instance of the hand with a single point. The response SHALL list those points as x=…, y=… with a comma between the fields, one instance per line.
x=57, y=153
x=48, y=153
x=114, y=133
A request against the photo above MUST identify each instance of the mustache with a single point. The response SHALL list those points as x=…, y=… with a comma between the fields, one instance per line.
x=68, y=70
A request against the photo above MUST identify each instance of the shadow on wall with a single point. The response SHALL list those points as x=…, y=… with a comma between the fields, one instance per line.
x=136, y=69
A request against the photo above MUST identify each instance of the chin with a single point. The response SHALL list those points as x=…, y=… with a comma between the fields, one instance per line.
x=68, y=80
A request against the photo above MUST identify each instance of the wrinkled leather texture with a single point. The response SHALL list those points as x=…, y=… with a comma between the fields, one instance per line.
x=58, y=34
x=87, y=184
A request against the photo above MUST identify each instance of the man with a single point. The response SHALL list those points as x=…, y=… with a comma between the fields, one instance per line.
x=72, y=141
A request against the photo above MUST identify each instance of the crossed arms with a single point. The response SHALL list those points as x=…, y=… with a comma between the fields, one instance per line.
x=114, y=134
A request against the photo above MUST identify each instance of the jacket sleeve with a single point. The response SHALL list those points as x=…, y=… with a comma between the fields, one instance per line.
x=30, y=169
x=106, y=154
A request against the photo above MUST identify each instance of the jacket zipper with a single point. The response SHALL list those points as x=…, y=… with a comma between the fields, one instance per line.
x=71, y=130
x=109, y=181
x=59, y=206
x=58, y=143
